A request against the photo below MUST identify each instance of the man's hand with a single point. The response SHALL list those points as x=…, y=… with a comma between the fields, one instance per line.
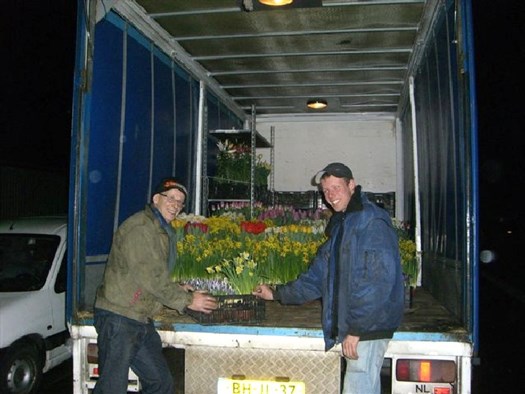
x=264, y=292
x=187, y=287
x=349, y=346
x=203, y=302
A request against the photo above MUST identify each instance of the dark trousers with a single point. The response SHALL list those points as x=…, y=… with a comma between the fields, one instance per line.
x=125, y=343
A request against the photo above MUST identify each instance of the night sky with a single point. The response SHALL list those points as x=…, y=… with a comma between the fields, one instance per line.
x=38, y=46
x=38, y=43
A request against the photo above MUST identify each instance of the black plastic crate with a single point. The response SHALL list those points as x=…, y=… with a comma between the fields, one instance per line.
x=233, y=309
x=386, y=201
x=297, y=200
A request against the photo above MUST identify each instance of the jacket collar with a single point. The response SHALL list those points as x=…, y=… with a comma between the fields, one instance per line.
x=159, y=216
x=356, y=202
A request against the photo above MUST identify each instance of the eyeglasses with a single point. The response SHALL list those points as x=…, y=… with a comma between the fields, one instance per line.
x=173, y=200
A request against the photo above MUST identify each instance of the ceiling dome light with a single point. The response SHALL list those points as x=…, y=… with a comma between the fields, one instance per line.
x=316, y=104
x=275, y=3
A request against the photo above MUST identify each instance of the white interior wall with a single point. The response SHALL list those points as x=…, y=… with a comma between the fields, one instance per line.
x=304, y=146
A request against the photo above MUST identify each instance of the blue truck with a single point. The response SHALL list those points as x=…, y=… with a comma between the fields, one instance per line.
x=158, y=84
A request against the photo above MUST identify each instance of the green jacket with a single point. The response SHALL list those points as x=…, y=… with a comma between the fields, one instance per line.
x=136, y=281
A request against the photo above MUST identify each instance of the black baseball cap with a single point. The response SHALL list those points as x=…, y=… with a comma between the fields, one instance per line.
x=168, y=184
x=338, y=170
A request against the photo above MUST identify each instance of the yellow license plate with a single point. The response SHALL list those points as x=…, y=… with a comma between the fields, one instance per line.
x=245, y=386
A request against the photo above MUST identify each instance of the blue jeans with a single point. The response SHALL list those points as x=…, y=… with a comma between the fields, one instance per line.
x=363, y=376
x=125, y=343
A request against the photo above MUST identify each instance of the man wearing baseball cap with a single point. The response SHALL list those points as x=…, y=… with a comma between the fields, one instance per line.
x=357, y=274
x=135, y=287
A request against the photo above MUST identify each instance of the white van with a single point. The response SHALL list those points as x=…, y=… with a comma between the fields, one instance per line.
x=33, y=276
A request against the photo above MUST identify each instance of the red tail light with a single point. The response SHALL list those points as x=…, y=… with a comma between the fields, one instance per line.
x=403, y=370
x=92, y=353
x=441, y=390
x=428, y=371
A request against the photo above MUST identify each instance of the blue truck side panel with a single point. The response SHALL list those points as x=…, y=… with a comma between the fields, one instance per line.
x=164, y=119
x=140, y=113
x=105, y=120
x=132, y=129
x=136, y=138
x=472, y=281
x=187, y=115
x=448, y=168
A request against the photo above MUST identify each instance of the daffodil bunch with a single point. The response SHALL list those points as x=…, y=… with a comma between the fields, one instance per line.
x=409, y=263
x=282, y=252
x=284, y=257
x=408, y=252
x=241, y=272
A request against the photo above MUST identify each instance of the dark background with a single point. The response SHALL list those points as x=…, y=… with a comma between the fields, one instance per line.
x=38, y=47
x=38, y=54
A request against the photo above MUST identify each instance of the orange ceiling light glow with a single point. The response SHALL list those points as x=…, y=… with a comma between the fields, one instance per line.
x=316, y=104
x=276, y=3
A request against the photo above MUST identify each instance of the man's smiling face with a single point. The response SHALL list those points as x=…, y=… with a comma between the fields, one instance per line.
x=337, y=191
x=169, y=203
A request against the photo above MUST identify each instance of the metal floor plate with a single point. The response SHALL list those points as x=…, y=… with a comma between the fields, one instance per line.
x=320, y=371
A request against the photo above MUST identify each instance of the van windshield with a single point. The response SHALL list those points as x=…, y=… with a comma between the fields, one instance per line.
x=25, y=260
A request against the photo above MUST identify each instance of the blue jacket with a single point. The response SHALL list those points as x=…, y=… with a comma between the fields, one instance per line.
x=362, y=253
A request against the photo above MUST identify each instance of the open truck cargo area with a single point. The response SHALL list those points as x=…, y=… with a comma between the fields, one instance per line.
x=289, y=342
x=158, y=84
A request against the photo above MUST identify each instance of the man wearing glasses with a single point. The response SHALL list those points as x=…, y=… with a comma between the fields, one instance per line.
x=135, y=287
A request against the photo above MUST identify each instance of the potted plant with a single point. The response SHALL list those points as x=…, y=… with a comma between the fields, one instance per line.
x=409, y=261
x=281, y=241
x=228, y=255
x=241, y=272
x=234, y=163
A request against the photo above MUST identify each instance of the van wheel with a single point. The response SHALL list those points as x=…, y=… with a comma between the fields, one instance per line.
x=21, y=369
